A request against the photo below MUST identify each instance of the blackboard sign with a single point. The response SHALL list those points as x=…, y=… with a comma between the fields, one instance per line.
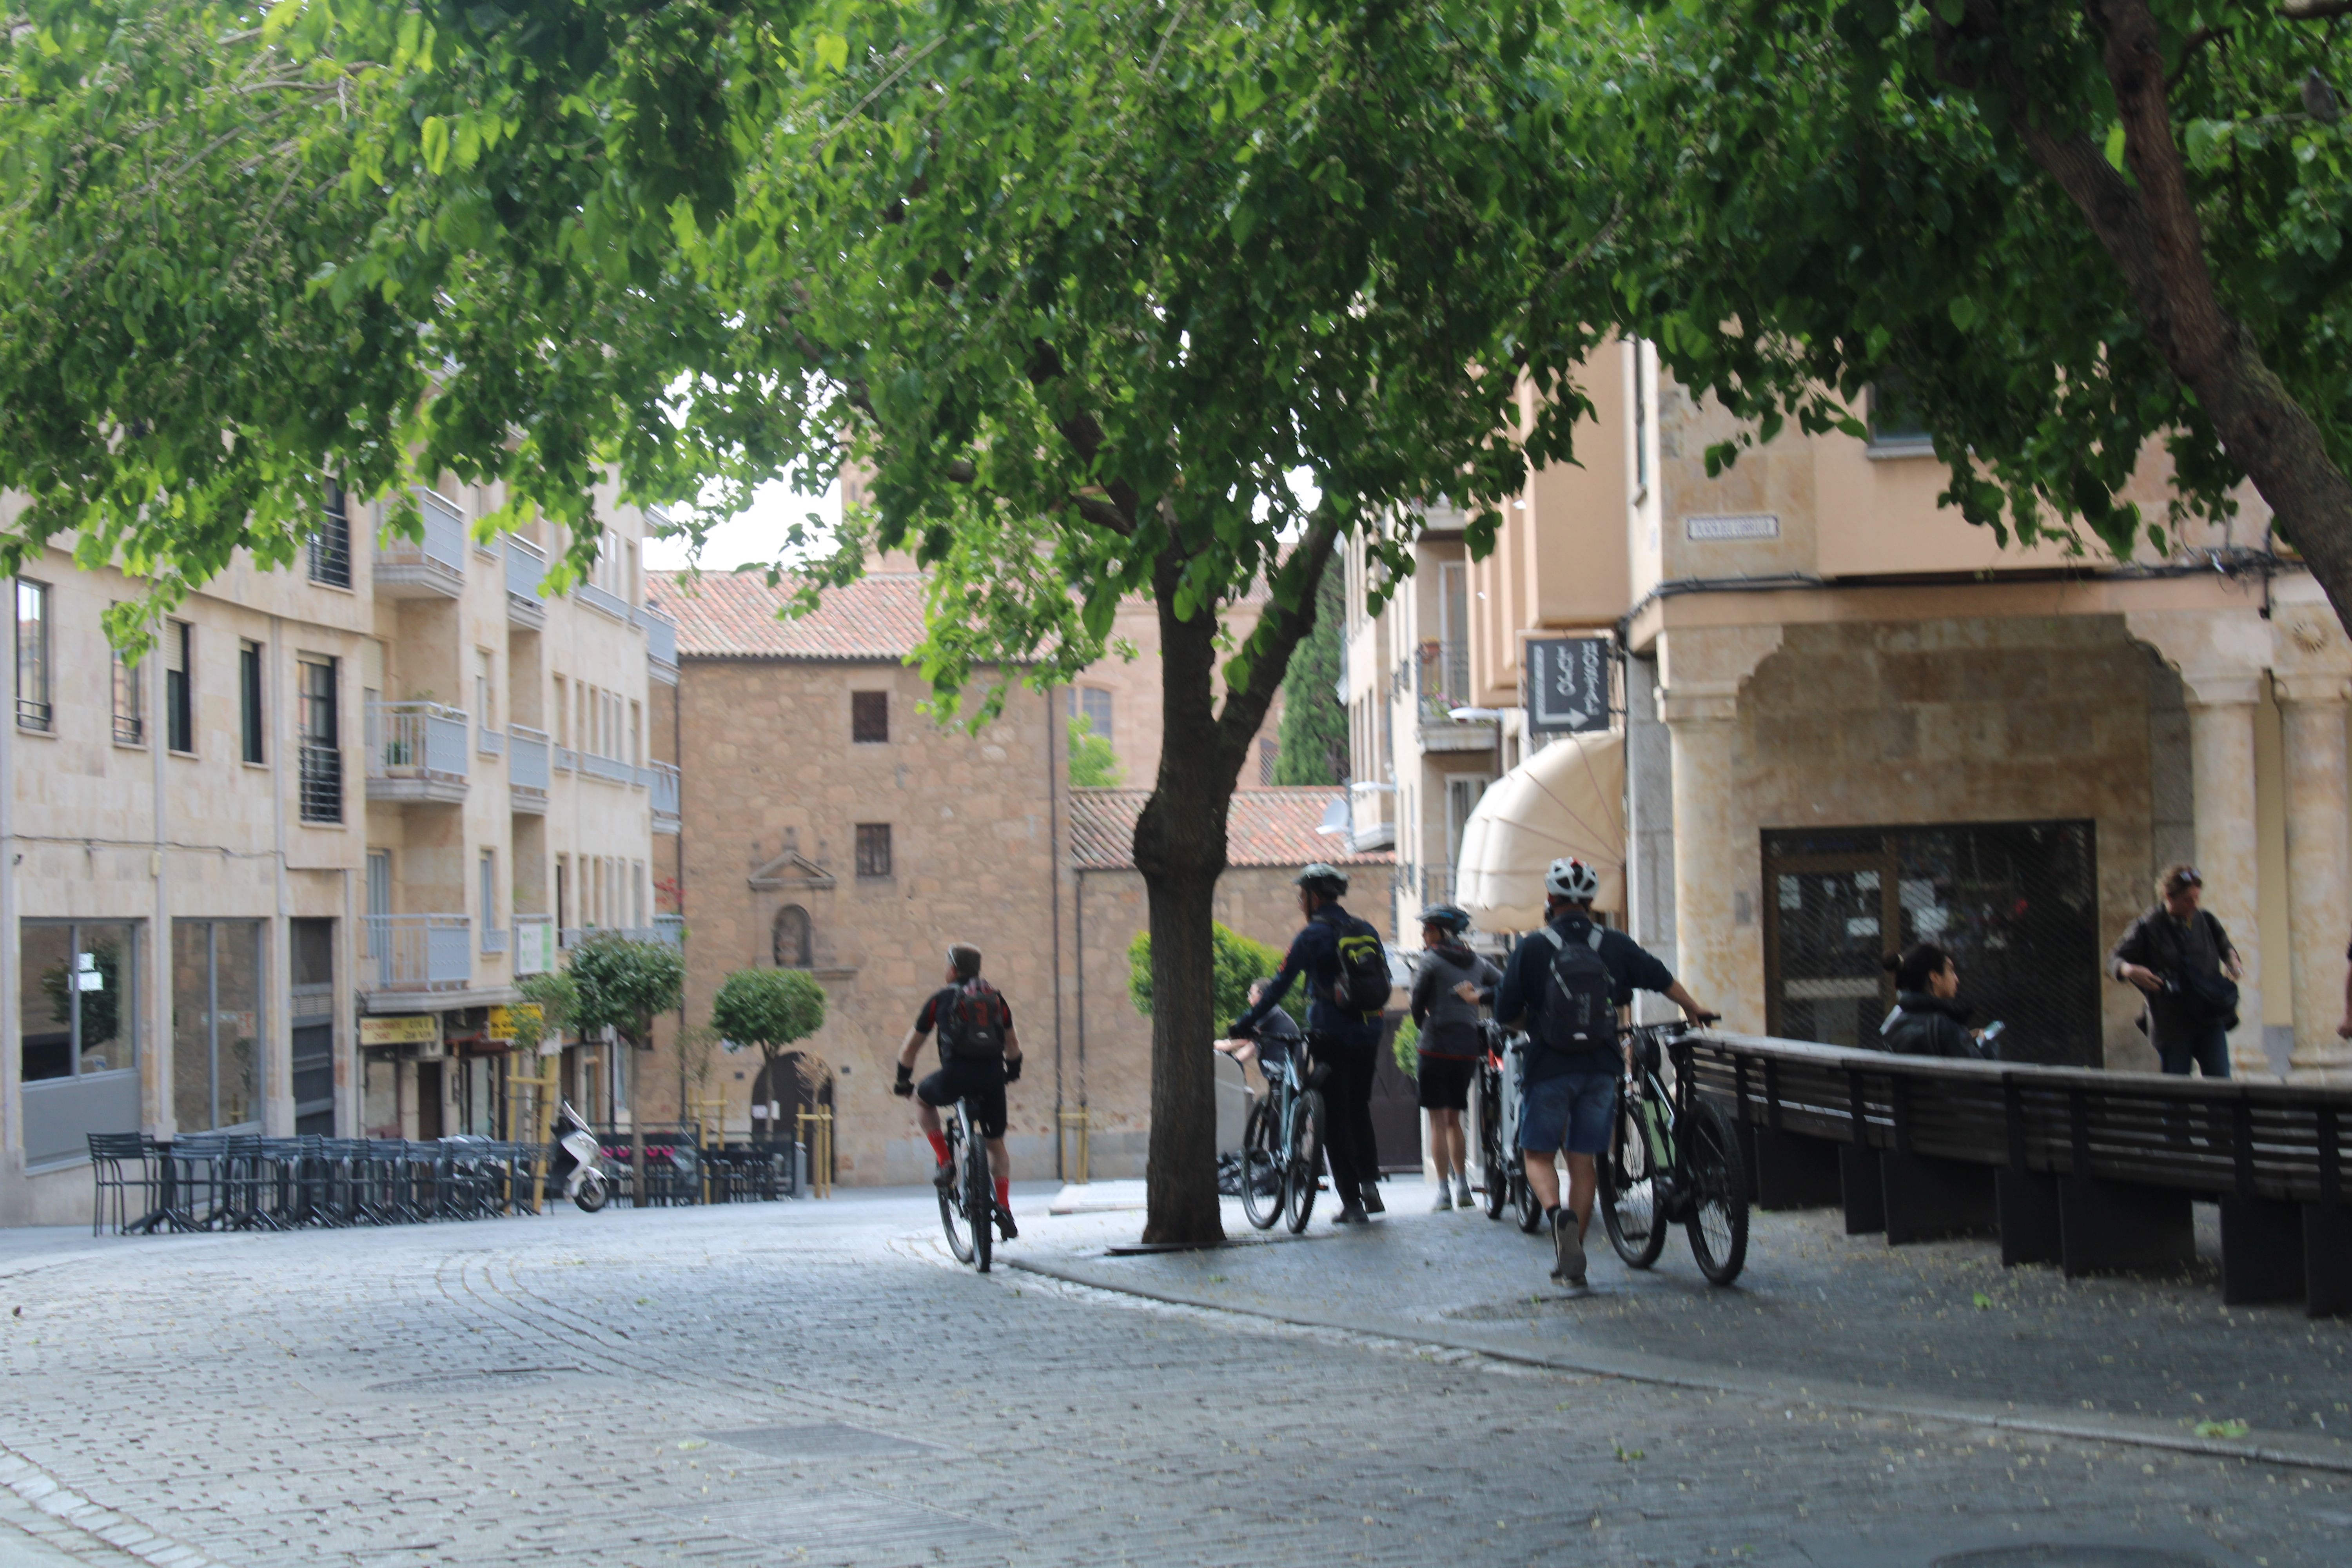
x=1568, y=685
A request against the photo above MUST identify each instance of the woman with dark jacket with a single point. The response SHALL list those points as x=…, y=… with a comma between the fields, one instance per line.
x=1448, y=988
x=1929, y=1019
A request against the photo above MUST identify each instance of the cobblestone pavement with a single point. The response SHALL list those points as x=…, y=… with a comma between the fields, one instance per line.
x=812, y=1383
x=1939, y=1321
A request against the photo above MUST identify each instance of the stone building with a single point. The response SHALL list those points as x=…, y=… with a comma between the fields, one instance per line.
x=830, y=824
x=277, y=876
x=1846, y=720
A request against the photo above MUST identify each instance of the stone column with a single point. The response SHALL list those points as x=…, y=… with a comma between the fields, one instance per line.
x=1718, y=858
x=2221, y=765
x=2311, y=710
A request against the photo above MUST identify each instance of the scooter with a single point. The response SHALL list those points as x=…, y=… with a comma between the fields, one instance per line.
x=576, y=1152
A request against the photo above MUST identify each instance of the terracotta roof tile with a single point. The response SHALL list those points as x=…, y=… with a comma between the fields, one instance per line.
x=722, y=615
x=1265, y=827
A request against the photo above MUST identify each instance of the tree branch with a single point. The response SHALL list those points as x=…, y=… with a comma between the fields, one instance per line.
x=1279, y=632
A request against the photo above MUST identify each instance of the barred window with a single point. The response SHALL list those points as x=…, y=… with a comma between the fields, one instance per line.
x=873, y=848
x=869, y=716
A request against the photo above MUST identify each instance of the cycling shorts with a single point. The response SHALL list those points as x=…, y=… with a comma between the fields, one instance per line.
x=1444, y=1083
x=977, y=1080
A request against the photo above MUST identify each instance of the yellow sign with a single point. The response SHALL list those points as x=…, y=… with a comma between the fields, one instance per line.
x=517, y=1022
x=408, y=1029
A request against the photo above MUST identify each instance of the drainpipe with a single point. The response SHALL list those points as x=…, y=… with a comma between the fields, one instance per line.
x=1054, y=897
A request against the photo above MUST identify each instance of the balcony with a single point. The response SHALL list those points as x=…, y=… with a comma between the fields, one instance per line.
x=665, y=779
x=331, y=546
x=666, y=929
x=322, y=782
x=416, y=752
x=527, y=770
x=526, y=565
x=567, y=761
x=1441, y=685
x=494, y=941
x=611, y=770
x=432, y=567
x=489, y=743
x=661, y=644
x=613, y=604
x=534, y=944
x=418, y=952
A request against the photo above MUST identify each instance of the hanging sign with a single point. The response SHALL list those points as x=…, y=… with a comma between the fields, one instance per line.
x=1568, y=685
x=405, y=1029
x=519, y=1021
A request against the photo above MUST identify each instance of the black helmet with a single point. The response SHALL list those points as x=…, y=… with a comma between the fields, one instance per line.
x=1446, y=917
x=1321, y=878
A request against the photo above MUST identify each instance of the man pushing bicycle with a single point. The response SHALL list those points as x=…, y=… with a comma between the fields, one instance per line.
x=979, y=1055
x=1563, y=986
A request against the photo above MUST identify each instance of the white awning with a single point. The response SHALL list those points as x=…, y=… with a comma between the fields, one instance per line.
x=1567, y=799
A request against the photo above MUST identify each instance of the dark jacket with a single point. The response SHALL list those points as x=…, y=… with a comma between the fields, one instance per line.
x=1315, y=953
x=1449, y=1026
x=2158, y=942
x=1518, y=1001
x=1925, y=1025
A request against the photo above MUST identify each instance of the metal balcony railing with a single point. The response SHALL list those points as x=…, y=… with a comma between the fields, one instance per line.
x=130, y=730
x=526, y=567
x=331, y=546
x=527, y=766
x=322, y=782
x=493, y=941
x=567, y=761
x=489, y=743
x=534, y=944
x=665, y=787
x=611, y=769
x=436, y=560
x=419, y=952
x=612, y=605
x=661, y=644
x=1443, y=680
x=421, y=743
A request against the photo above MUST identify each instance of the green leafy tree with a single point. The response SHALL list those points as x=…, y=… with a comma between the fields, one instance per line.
x=2070, y=230
x=1314, y=731
x=770, y=1008
x=622, y=986
x=1406, y=1046
x=556, y=995
x=1240, y=963
x=1093, y=762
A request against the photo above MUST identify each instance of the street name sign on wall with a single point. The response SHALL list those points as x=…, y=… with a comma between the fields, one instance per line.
x=1568, y=685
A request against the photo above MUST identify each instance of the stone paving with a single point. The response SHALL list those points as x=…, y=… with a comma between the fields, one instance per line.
x=814, y=1383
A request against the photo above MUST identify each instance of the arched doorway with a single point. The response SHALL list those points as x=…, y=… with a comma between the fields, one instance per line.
x=793, y=1083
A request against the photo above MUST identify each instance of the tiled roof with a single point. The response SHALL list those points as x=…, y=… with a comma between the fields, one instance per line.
x=723, y=614
x=1263, y=827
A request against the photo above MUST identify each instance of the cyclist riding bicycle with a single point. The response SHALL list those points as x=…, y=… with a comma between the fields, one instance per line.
x=979, y=1055
x=1346, y=981
x=1564, y=986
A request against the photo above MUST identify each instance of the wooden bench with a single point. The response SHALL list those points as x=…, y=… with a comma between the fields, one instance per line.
x=2092, y=1171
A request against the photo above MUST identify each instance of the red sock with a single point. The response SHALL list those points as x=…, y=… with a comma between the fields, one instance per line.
x=1004, y=1192
x=939, y=1146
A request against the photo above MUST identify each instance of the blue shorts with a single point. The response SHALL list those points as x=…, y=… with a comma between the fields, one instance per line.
x=1571, y=1111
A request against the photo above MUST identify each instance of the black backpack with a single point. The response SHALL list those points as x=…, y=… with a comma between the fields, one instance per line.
x=972, y=1021
x=1580, y=1009
x=1363, y=986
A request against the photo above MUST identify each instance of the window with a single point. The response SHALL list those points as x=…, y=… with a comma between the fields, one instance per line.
x=1093, y=705
x=1895, y=419
x=1641, y=419
x=795, y=940
x=492, y=931
x=311, y=968
x=129, y=703
x=79, y=1005
x=33, y=707
x=248, y=698
x=179, y=680
x=562, y=712
x=322, y=743
x=873, y=848
x=331, y=546
x=486, y=712
x=636, y=721
x=869, y=716
x=216, y=1024
x=562, y=889
x=1269, y=752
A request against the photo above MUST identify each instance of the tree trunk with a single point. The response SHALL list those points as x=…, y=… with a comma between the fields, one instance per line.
x=636, y=1120
x=1180, y=848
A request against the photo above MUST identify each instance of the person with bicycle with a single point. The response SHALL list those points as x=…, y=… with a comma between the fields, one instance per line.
x=1447, y=990
x=1272, y=1045
x=1336, y=952
x=1563, y=986
x=979, y=1055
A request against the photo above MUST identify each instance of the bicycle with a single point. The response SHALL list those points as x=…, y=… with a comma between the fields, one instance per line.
x=1499, y=1131
x=1672, y=1160
x=1282, y=1143
x=968, y=1201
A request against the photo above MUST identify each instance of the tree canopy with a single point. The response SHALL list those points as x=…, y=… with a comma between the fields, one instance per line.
x=770, y=1008
x=1240, y=960
x=621, y=983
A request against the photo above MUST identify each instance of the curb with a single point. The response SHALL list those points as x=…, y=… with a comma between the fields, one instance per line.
x=2088, y=1428
x=125, y=1535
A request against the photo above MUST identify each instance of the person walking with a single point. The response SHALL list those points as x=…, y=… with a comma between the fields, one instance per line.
x=2179, y=958
x=1564, y=983
x=1346, y=988
x=1447, y=991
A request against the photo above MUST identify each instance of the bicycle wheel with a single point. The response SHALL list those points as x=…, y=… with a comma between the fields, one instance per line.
x=978, y=1201
x=1718, y=1219
x=1262, y=1164
x=1523, y=1201
x=951, y=1214
x=1493, y=1160
x=1303, y=1171
x=1628, y=1197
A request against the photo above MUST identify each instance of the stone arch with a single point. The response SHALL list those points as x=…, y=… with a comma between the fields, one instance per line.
x=794, y=939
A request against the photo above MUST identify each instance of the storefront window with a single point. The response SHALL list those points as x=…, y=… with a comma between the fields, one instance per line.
x=78, y=1004
x=216, y=1024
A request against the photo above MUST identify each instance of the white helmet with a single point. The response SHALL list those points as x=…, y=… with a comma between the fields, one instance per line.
x=1572, y=879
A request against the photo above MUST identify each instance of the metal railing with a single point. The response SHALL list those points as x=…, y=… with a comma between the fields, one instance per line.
x=526, y=567
x=489, y=743
x=32, y=715
x=665, y=784
x=567, y=761
x=130, y=730
x=608, y=768
x=443, y=541
x=1443, y=678
x=493, y=941
x=661, y=639
x=534, y=944
x=330, y=548
x=612, y=605
x=322, y=782
x=1436, y=885
x=527, y=766
x=422, y=740
x=419, y=952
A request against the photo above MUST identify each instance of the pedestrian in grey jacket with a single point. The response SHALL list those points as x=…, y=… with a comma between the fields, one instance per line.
x=1448, y=991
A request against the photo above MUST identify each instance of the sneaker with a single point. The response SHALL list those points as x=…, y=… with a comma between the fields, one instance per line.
x=1372, y=1203
x=1567, y=1250
x=943, y=1176
x=1349, y=1214
x=1462, y=1189
x=1445, y=1197
x=1004, y=1226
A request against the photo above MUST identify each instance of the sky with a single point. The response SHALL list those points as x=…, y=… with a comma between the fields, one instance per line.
x=751, y=535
